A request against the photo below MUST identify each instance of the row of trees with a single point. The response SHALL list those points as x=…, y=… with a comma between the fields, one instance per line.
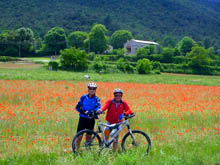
x=185, y=53
x=22, y=42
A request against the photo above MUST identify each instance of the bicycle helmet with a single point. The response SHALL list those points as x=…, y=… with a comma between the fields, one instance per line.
x=92, y=85
x=117, y=90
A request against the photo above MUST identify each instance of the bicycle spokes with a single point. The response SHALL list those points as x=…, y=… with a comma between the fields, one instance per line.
x=137, y=141
x=88, y=142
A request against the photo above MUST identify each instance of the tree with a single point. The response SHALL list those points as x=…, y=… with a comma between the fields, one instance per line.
x=76, y=39
x=207, y=42
x=185, y=45
x=211, y=52
x=146, y=51
x=97, y=41
x=73, y=58
x=144, y=66
x=25, y=40
x=55, y=40
x=8, y=45
x=169, y=41
x=199, y=57
x=167, y=55
x=120, y=37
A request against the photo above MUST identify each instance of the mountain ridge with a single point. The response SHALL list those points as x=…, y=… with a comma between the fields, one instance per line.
x=146, y=18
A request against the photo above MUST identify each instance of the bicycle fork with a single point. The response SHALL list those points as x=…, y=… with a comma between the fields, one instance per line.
x=132, y=136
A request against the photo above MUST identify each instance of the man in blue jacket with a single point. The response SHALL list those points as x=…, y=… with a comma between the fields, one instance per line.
x=87, y=103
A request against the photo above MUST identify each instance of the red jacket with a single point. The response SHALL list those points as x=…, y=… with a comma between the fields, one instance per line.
x=113, y=114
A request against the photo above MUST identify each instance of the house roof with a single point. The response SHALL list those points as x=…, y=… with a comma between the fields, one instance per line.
x=146, y=42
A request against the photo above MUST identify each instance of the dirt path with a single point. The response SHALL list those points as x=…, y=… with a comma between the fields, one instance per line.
x=11, y=65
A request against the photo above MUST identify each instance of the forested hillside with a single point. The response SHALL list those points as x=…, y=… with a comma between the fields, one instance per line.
x=146, y=19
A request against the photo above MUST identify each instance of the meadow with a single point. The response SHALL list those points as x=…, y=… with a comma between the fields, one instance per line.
x=38, y=121
x=180, y=113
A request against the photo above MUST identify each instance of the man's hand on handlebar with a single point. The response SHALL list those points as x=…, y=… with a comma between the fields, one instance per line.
x=130, y=115
x=99, y=111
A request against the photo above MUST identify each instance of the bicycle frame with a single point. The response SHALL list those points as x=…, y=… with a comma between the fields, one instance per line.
x=120, y=125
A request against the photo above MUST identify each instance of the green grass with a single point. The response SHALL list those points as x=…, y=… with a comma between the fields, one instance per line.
x=43, y=74
x=37, y=58
x=181, y=152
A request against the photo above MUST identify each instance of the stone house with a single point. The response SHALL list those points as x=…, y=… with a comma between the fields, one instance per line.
x=133, y=45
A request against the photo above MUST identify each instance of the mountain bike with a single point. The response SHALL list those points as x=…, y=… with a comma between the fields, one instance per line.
x=132, y=140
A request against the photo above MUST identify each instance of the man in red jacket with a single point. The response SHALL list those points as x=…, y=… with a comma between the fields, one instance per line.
x=116, y=107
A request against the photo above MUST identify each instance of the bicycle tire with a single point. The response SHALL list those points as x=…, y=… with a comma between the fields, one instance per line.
x=142, y=141
x=95, y=142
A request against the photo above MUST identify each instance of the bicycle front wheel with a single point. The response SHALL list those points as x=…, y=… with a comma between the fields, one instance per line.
x=86, y=140
x=138, y=141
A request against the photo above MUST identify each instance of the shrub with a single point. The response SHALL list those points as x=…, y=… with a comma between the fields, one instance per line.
x=124, y=66
x=156, y=71
x=129, y=68
x=180, y=59
x=91, y=56
x=144, y=66
x=53, y=65
x=131, y=58
x=157, y=65
x=121, y=64
x=73, y=58
x=8, y=58
x=155, y=57
x=99, y=64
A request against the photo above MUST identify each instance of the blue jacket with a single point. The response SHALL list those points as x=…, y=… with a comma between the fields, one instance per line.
x=88, y=104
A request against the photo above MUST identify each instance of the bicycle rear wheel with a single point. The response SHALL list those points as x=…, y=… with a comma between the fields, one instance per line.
x=92, y=143
x=138, y=141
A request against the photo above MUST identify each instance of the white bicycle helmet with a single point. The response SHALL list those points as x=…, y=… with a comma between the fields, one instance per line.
x=92, y=85
x=117, y=90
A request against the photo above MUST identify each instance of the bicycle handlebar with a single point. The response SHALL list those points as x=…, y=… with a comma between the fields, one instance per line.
x=95, y=115
x=129, y=116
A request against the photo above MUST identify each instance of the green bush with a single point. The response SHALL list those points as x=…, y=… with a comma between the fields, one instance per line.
x=74, y=59
x=109, y=57
x=53, y=65
x=131, y=58
x=91, y=56
x=8, y=58
x=176, y=68
x=154, y=57
x=129, y=68
x=207, y=70
x=156, y=71
x=144, y=66
x=124, y=66
x=99, y=64
x=157, y=66
x=180, y=59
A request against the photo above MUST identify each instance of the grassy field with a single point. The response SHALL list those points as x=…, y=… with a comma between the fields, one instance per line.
x=180, y=113
x=43, y=74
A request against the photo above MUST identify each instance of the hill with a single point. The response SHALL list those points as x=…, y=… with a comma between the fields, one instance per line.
x=147, y=19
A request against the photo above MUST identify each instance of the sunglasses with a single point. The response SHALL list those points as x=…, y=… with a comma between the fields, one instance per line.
x=92, y=88
x=118, y=95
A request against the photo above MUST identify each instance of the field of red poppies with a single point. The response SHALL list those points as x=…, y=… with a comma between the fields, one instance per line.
x=39, y=116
